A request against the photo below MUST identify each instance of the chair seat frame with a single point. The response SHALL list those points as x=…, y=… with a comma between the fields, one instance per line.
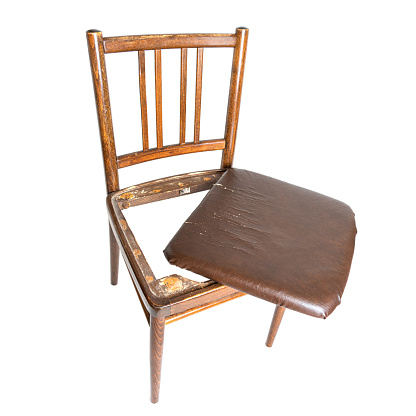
x=183, y=297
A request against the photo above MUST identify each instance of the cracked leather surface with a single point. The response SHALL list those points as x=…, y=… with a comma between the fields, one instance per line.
x=270, y=239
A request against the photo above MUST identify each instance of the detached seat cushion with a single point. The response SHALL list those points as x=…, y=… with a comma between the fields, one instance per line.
x=267, y=238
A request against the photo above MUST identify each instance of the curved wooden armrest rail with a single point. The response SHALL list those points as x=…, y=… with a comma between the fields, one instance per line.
x=172, y=297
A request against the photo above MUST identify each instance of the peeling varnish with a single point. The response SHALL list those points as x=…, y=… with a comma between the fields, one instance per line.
x=123, y=224
x=207, y=179
x=155, y=191
x=137, y=252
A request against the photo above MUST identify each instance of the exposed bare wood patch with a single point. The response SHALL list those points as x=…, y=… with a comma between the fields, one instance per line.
x=171, y=283
x=137, y=252
x=127, y=195
x=174, y=285
x=150, y=279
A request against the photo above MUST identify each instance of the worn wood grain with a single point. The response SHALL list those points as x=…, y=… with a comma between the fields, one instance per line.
x=167, y=151
x=198, y=93
x=233, y=111
x=151, y=42
x=157, y=334
x=184, y=69
x=158, y=91
x=102, y=100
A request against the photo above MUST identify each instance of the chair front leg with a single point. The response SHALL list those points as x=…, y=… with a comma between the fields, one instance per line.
x=157, y=332
x=114, y=258
x=277, y=318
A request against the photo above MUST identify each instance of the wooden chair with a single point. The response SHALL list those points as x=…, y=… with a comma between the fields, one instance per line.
x=174, y=297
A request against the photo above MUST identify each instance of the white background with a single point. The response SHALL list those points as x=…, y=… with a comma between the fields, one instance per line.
x=329, y=103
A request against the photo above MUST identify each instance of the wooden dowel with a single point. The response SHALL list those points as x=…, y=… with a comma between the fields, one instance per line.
x=143, y=102
x=158, y=90
x=184, y=62
x=198, y=93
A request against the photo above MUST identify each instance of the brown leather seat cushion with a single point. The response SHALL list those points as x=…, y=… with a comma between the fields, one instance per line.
x=270, y=239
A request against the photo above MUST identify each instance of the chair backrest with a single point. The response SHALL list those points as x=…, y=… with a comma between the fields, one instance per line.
x=98, y=46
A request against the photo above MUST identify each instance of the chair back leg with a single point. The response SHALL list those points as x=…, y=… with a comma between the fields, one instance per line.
x=157, y=333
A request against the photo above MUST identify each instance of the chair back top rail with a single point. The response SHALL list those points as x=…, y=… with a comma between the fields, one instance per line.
x=98, y=46
x=149, y=42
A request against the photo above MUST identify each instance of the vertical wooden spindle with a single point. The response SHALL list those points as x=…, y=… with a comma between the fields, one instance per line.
x=184, y=64
x=143, y=102
x=158, y=89
x=198, y=93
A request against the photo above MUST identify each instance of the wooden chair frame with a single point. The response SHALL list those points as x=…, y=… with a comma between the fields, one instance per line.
x=171, y=298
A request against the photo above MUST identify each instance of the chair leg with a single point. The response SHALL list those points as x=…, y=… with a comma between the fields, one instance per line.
x=277, y=318
x=157, y=332
x=114, y=258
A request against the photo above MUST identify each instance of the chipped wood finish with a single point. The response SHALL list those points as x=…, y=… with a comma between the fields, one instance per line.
x=193, y=296
x=161, y=189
